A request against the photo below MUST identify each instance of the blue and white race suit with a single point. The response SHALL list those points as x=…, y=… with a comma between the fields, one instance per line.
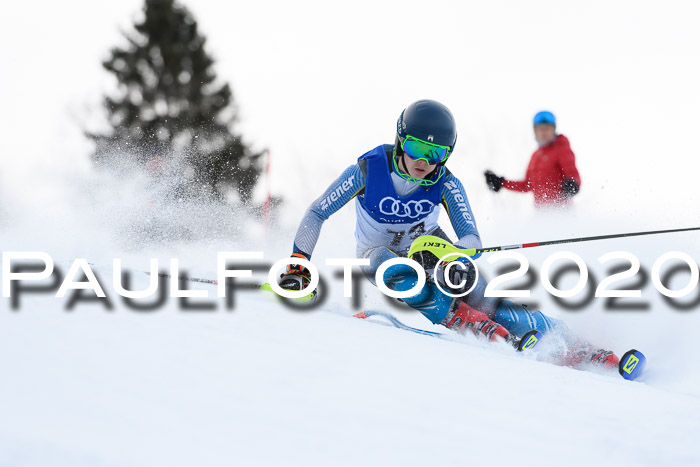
x=391, y=213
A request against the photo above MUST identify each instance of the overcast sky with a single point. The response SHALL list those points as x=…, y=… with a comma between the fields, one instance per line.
x=319, y=84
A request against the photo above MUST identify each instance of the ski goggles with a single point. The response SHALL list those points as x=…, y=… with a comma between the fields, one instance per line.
x=418, y=149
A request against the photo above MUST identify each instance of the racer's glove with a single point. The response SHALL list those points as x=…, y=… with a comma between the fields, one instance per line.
x=461, y=276
x=569, y=187
x=297, y=277
x=493, y=181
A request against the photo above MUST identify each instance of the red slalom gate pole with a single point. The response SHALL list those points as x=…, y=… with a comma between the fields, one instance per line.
x=268, y=196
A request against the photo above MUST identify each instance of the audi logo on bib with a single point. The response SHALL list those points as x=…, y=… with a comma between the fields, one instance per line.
x=411, y=209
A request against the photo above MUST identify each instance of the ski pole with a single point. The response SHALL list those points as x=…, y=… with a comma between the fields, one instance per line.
x=208, y=281
x=186, y=278
x=582, y=239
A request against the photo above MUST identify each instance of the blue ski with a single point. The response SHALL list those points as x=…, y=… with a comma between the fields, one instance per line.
x=527, y=342
x=397, y=324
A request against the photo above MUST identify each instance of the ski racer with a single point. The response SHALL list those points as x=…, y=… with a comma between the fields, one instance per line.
x=398, y=190
x=551, y=175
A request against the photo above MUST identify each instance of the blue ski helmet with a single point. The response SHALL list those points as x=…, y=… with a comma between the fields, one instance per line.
x=429, y=121
x=544, y=117
x=426, y=126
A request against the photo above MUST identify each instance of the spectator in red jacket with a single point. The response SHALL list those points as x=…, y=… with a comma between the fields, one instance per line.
x=552, y=174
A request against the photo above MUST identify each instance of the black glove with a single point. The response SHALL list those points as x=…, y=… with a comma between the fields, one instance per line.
x=296, y=277
x=458, y=273
x=426, y=259
x=493, y=181
x=569, y=188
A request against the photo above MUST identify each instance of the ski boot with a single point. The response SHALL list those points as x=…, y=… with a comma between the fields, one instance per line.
x=463, y=317
x=581, y=353
x=630, y=366
x=604, y=358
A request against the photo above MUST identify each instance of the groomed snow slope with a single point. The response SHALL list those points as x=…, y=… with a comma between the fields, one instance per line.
x=264, y=385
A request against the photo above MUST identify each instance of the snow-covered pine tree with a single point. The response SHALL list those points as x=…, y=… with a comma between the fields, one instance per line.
x=170, y=104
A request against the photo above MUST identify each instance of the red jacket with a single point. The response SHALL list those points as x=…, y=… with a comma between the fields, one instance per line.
x=549, y=166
